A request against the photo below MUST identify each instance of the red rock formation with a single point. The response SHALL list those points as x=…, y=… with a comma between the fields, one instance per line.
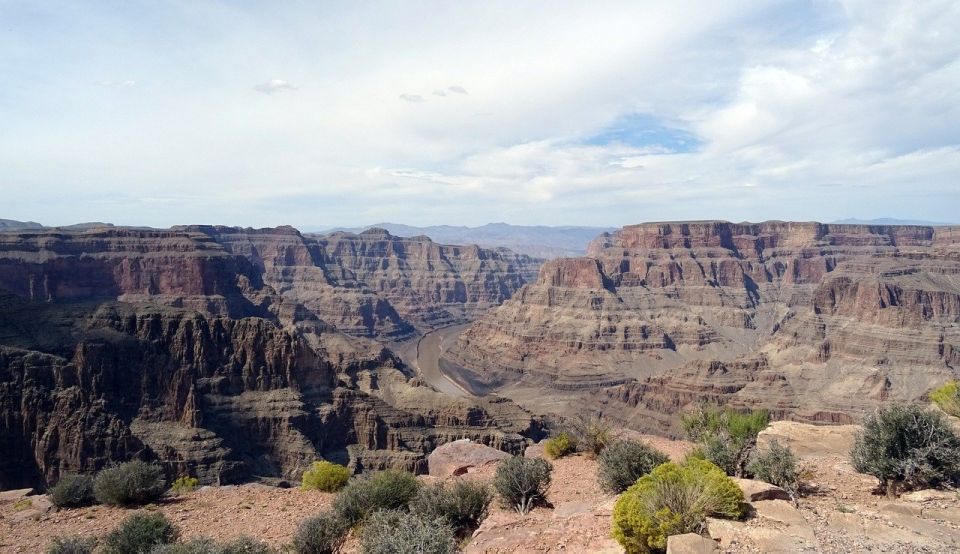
x=841, y=315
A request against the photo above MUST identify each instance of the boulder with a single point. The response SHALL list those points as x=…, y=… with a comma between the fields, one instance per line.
x=14, y=495
x=928, y=495
x=458, y=457
x=758, y=490
x=690, y=543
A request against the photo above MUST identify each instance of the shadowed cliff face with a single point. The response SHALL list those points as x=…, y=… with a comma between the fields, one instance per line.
x=216, y=351
x=813, y=321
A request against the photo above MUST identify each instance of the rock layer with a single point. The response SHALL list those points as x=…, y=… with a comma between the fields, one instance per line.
x=813, y=321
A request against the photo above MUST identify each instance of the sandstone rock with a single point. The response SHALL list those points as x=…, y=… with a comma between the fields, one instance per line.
x=534, y=450
x=459, y=457
x=690, y=543
x=758, y=490
x=929, y=495
x=785, y=513
x=14, y=495
x=810, y=440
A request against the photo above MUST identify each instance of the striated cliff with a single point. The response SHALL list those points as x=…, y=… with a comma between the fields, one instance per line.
x=813, y=321
x=218, y=352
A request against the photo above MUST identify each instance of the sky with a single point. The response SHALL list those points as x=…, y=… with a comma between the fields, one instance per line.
x=320, y=114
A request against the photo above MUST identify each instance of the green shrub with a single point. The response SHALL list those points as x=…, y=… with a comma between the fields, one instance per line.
x=623, y=462
x=776, y=465
x=384, y=490
x=321, y=534
x=947, y=398
x=245, y=545
x=129, y=484
x=22, y=505
x=184, y=484
x=325, y=476
x=463, y=505
x=559, y=446
x=905, y=446
x=522, y=482
x=592, y=435
x=399, y=532
x=139, y=534
x=673, y=499
x=72, y=490
x=726, y=437
x=72, y=545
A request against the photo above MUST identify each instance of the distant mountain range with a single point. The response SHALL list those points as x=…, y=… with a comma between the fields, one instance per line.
x=890, y=221
x=539, y=241
x=14, y=225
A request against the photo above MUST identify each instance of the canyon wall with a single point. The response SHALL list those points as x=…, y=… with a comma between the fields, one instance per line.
x=231, y=354
x=813, y=321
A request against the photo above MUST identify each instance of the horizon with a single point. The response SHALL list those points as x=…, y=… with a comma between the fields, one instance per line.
x=554, y=114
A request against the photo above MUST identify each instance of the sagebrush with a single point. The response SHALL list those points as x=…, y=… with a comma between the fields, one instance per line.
x=140, y=533
x=129, y=484
x=592, y=434
x=522, y=483
x=906, y=446
x=400, y=532
x=383, y=490
x=71, y=491
x=778, y=466
x=72, y=545
x=462, y=504
x=625, y=461
x=726, y=437
x=321, y=534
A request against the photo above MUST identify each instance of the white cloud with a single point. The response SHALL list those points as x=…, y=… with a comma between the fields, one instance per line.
x=803, y=110
x=274, y=85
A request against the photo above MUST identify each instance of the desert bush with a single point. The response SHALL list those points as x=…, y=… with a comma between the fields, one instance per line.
x=776, y=465
x=321, y=534
x=245, y=545
x=72, y=490
x=905, y=446
x=399, y=532
x=184, y=484
x=463, y=505
x=200, y=545
x=592, y=435
x=384, y=490
x=673, y=499
x=72, y=545
x=947, y=398
x=325, y=476
x=623, y=462
x=726, y=437
x=139, y=534
x=559, y=446
x=522, y=482
x=128, y=484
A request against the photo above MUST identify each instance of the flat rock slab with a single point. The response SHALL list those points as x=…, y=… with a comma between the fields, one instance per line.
x=14, y=495
x=535, y=450
x=458, y=457
x=758, y=490
x=691, y=543
x=785, y=513
x=810, y=440
x=929, y=495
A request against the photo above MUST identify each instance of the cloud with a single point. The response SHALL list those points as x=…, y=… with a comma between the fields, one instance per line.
x=457, y=89
x=439, y=92
x=406, y=97
x=274, y=85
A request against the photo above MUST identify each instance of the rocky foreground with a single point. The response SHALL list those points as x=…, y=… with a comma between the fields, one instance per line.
x=839, y=515
x=814, y=322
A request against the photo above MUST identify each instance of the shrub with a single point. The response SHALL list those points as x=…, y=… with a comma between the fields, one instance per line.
x=905, y=446
x=72, y=490
x=522, y=482
x=559, y=446
x=623, y=462
x=462, y=505
x=947, y=398
x=673, y=499
x=726, y=436
x=776, y=465
x=245, y=545
x=139, y=534
x=399, y=532
x=321, y=534
x=22, y=505
x=184, y=484
x=592, y=435
x=384, y=490
x=72, y=545
x=129, y=484
x=325, y=476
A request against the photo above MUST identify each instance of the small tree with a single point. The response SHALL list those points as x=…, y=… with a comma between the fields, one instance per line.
x=623, y=462
x=905, y=446
x=522, y=482
x=776, y=465
x=726, y=436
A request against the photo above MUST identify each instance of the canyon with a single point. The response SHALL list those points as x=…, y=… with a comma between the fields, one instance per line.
x=814, y=322
x=234, y=354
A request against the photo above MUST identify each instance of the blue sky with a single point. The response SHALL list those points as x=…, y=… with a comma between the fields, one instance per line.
x=604, y=113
